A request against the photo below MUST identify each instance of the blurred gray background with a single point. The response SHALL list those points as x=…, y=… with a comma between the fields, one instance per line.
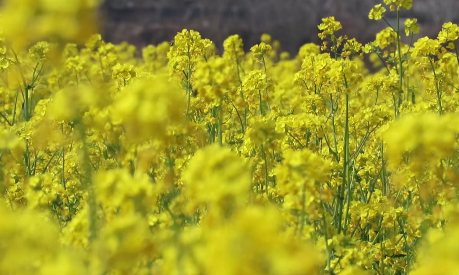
x=292, y=22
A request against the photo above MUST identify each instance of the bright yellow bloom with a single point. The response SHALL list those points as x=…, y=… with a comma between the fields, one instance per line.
x=251, y=243
x=266, y=38
x=426, y=47
x=217, y=177
x=30, y=21
x=385, y=38
x=448, y=33
x=406, y=4
x=233, y=47
x=261, y=51
x=123, y=74
x=411, y=26
x=147, y=108
x=328, y=27
x=377, y=12
x=38, y=51
x=351, y=47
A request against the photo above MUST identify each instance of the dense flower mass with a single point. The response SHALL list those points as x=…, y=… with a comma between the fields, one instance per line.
x=183, y=161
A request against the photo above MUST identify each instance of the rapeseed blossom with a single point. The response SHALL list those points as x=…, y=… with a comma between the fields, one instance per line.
x=377, y=12
x=184, y=161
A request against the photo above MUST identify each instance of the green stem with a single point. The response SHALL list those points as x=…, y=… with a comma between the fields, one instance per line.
x=27, y=159
x=303, y=211
x=399, y=49
x=263, y=154
x=239, y=116
x=220, y=123
x=457, y=54
x=326, y=237
x=437, y=87
x=244, y=126
x=266, y=81
x=63, y=161
x=261, y=103
x=188, y=103
x=26, y=104
x=189, y=87
x=383, y=172
x=345, y=166
x=87, y=183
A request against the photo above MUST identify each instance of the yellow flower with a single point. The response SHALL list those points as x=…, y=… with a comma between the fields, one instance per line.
x=261, y=51
x=411, y=26
x=9, y=141
x=188, y=49
x=33, y=251
x=233, y=47
x=252, y=243
x=123, y=74
x=284, y=56
x=74, y=65
x=418, y=136
x=448, y=33
x=377, y=12
x=94, y=42
x=218, y=177
x=70, y=50
x=328, y=27
x=38, y=51
x=426, y=47
x=266, y=38
x=30, y=21
x=385, y=38
x=352, y=46
x=406, y=4
x=438, y=253
x=124, y=242
x=147, y=108
x=262, y=132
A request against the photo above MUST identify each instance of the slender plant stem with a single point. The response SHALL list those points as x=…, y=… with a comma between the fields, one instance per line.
x=345, y=168
x=220, y=123
x=87, y=182
x=440, y=108
x=399, y=49
x=263, y=154
x=457, y=54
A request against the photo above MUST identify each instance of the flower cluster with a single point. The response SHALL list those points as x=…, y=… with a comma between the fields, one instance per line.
x=173, y=159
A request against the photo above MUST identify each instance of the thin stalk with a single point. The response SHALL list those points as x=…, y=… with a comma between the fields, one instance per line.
x=6, y=119
x=349, y=199
x=383, y=172
x=399, y=49
x=457, y=54
x=266, y=81
x=395, y=105
x=303, y=210
x=220, y=123
x=87, y=183
x=26, y=104
x=15, y=107
x=326, y=237
x=244, y=126
x=263, y=154
x=261, y=103
x=27, y=159
x=437, y=87
x=239, y=116
x=333, y=123
x=345, y=167
x=189, y=88
x=63, y=161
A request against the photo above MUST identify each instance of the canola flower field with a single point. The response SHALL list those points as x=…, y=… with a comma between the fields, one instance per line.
x=185, y=161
